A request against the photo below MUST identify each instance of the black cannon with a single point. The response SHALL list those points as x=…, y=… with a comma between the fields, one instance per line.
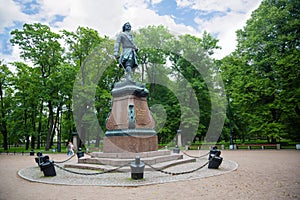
x=45, y=164
x=48, y=168
x=214, y=158
x=41, y=159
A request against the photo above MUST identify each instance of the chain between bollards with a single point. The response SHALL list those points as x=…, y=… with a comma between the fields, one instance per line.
x=195, y=156
x=64, y=160
x=90, y=174
x=128, y=164
x=177, y=173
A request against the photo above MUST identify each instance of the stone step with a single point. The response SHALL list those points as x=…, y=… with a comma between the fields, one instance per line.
x=119, y=161
x=130, y=155
x=99, y=167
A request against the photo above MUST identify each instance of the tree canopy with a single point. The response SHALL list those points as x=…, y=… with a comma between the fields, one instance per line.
x=38, y=103
x=65, y=87
x=262, y=74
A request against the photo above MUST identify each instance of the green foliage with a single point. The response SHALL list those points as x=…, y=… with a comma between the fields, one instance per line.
x=39, y=105
x=262, y=75
x=6, y=93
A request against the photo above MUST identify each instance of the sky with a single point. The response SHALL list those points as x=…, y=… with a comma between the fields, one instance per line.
x=221, y=18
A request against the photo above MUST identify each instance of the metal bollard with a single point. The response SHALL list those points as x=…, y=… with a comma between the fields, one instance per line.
x=214, y=158
x=39, y=153
x=41, y=159
x=80, y=153
x=137, y=168
x=48, y=168
x=215, y=162
x=176, y=149
x=214, y=152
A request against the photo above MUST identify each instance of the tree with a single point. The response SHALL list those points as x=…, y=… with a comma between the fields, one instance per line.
x=5, y=97
x=263, y=73
x=26, y=102
x=82, y=45
x=41, y=46
x=177, y=71
x=193, y=62
x=163, y=58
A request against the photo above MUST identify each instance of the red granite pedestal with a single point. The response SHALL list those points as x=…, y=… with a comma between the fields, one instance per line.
x=119, y=144
x=130, y=125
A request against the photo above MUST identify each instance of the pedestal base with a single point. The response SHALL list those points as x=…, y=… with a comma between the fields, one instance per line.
x=120, y=144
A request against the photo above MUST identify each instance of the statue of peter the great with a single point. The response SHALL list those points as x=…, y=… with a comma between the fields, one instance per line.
x=128, y=58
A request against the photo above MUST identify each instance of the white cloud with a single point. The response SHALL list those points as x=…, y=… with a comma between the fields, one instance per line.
x=107, y=18
x=225, y=27
x=219, y=5
x=156, y=1
x=13, y=57
x=9, y=14
x=236, y=14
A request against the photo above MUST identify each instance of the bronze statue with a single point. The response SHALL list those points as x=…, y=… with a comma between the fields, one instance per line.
x=128, y=59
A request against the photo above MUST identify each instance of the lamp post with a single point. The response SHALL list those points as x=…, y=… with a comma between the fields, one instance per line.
x=179, y=141
x=231, y=146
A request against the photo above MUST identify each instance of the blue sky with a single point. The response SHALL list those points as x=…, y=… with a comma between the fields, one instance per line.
x=221, y=18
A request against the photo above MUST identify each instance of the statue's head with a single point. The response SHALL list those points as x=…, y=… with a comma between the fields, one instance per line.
x=126, y=27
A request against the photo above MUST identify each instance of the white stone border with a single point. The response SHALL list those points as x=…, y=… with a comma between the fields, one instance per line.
x=121, y=179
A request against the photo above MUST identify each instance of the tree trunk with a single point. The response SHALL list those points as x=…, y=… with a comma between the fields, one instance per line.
x=3, y=124
x=26, y=130
x=69, y=118
x=50, y=129
x=59, y=130
x=54, y=126
x=4, y=133
x=97, y=144
x=33, y=137
x=32, y=141
x=27, y=142
x=40, y=126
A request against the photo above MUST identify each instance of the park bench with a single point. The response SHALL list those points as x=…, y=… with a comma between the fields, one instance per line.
x=277, y=146
x=204, y=146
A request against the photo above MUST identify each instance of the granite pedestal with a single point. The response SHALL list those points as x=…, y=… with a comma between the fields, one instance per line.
x=130, y=125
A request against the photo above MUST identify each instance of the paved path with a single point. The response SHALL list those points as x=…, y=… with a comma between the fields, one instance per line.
x=262, y=174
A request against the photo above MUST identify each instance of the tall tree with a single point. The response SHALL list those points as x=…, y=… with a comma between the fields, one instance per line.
x=41, y=46
x=81, y=44
x=264, y=77
x=26, y=99
x=5, y=95
x=163, y=58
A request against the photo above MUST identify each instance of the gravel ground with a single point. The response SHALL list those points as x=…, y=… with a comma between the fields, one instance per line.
x=261, y=174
